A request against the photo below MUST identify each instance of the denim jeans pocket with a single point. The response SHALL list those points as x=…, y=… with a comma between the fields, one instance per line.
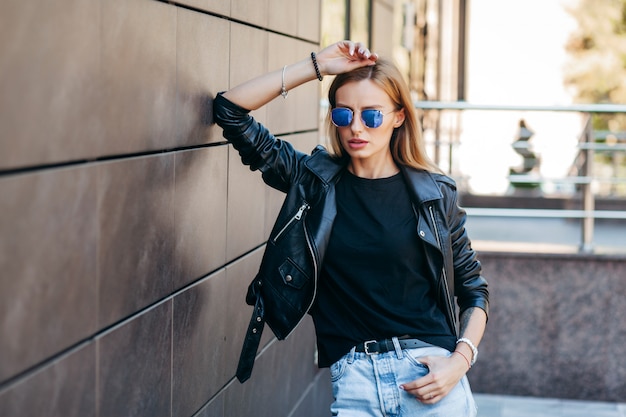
x=338, y=368
x=415, y=362
x=413, y=355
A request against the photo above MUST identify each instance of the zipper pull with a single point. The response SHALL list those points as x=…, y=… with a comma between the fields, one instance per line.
x=298, y=215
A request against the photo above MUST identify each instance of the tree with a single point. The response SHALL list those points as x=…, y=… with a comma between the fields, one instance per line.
x=596, y=70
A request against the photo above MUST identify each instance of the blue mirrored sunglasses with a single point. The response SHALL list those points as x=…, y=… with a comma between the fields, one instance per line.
x=342, y=116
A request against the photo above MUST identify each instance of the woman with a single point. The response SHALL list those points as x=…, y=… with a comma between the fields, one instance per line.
x=370, y=241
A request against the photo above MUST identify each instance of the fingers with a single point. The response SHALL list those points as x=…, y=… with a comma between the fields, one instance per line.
x=425, y=394
x=344, y=56
x=423, y=388
x=434, y=386
x=357, y=50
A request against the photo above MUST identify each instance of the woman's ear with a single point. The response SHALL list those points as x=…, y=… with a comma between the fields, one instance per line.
x=400, y=116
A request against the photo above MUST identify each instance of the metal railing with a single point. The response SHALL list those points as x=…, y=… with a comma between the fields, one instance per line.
x=583, y=178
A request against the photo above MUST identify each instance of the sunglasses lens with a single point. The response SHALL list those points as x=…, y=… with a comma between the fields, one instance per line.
x=341, y=116
x=372, y=118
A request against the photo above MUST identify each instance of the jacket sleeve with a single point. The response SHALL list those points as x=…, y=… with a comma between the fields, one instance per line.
x=278, y=161
x=470, y=287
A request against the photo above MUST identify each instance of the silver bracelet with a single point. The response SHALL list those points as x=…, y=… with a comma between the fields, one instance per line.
x=471, y=345
x=283, y=90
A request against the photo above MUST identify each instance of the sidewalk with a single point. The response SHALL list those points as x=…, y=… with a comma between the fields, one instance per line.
x=510, y=406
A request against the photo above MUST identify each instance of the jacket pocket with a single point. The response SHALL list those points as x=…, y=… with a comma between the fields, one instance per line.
x=292, y=275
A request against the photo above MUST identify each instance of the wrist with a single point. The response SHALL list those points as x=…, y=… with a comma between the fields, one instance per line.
x=472, y=347
x=316, y=66
x=464, y=358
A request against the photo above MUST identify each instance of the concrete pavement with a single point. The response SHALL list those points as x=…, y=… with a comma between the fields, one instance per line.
x=511, y=406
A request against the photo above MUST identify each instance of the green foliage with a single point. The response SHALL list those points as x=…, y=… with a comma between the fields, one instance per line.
x=596, y=70
x=596, y=73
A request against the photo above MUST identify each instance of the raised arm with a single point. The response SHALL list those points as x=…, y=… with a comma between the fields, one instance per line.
x=337, y=58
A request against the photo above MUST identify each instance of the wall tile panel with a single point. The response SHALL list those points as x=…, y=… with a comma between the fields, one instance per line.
x=317, y=399
x=64, y=388
x=307, y=101
x=135, y=366
x=275, y=377
x=48, y=238
x=49, y=95
x=200, y=75
x=200, y=204
x=283, y=16
x=139, y=75
x=309, y=20
x=248, y=58
x=210, y=319
x=246, y=207
x=216, y=6
x=300, y=110
x=250, y=11
x=201, y=336
x=299, y=348
x=281, y=112
x=214, y=409
x=308, y=141
x=136, y=258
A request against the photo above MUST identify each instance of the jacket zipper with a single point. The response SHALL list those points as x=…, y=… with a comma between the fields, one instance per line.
x=291, y=221
x=445, y=276
x=310, y=248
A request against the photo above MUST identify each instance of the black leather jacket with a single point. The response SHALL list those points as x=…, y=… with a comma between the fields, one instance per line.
x=285, y=287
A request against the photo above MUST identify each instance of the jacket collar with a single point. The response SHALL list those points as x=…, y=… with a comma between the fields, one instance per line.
x=324, y=166
x=422, y=184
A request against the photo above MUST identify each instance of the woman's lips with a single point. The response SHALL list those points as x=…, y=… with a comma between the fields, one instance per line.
x=357, y=143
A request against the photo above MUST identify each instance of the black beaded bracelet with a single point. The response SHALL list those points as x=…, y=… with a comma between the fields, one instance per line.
x=317, y=68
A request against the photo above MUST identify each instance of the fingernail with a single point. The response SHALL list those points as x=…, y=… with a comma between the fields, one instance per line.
x=402, y=387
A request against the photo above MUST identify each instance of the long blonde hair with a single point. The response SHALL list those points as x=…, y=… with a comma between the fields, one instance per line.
x=407, y=145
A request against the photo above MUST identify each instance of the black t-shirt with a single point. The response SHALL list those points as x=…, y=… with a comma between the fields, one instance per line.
x=372, y=283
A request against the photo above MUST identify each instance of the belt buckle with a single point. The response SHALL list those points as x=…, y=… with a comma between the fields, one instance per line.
x=366, y=347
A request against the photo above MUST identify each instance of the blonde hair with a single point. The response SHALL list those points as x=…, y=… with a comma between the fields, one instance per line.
x=407, y=145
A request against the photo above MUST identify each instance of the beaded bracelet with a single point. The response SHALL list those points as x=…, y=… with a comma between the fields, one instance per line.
x=317, y=68
x=471, y=345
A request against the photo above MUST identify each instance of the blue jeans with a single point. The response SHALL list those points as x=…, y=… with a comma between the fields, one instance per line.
x=368, y=386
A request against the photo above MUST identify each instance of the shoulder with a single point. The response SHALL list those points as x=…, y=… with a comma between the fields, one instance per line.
x=443, y=180
x=428, y=185
x=324, y=165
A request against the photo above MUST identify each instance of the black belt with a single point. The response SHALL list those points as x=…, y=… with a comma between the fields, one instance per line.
x=381, y=346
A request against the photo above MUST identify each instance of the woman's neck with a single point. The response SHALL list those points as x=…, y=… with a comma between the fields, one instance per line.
x=366, y=169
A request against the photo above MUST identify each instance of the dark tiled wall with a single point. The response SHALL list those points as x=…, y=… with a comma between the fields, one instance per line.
x=556, y=327
x=129, y=230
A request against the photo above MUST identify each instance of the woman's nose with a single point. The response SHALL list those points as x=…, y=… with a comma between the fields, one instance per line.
x=357, y=124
